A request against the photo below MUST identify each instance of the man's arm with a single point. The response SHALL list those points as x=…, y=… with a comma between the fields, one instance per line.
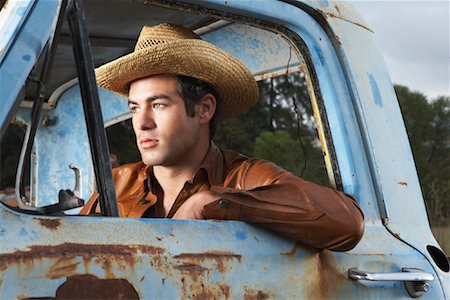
x=268, y=196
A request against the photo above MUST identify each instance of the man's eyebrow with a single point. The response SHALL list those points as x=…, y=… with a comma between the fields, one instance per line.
x=152, y=98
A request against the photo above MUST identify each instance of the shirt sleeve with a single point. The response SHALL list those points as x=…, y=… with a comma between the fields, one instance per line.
x=273, y=198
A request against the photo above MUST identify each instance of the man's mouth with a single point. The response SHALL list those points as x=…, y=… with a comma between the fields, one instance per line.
x=148, y=143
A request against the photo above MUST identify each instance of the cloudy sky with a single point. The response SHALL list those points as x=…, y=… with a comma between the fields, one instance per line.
x=415, y=40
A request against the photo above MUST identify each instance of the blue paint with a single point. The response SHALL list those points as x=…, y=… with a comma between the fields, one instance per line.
x=319, y=55
x=26, y=57
x=324, y=3
x=375, y=91
x=21, y=11
x=240, y=235
x=23, y=232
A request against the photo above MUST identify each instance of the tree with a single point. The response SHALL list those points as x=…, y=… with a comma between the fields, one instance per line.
x=270, y=130
x=428, y=126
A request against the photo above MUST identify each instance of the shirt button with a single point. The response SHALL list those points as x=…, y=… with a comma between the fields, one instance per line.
x=224, y=204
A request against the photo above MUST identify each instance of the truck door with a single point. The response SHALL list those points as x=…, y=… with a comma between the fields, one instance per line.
x=359, y=133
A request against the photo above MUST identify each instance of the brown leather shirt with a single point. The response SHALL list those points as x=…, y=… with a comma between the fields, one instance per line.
x=254, y=191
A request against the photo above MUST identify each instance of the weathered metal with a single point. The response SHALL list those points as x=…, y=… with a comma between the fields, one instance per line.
x=361, y=131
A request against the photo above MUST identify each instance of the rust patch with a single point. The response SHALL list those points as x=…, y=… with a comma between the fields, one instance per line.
x=255, y=295
x=325, y=278
x=195, y=270
x=219, y=257
x=402, y=183
x=91, y=287
x=190, y=268
x=51, y=224
x=119, y=253
x=62, y=268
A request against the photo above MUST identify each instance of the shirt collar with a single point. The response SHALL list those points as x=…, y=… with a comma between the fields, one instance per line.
x=212, y=164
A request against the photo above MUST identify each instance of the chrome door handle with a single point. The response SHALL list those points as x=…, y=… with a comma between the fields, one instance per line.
x=416, y=280
x=406, y=275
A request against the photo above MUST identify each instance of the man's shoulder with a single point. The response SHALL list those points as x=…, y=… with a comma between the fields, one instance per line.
x=234, y=159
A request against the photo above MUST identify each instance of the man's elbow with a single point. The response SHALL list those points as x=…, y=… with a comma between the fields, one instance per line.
x=350, y=234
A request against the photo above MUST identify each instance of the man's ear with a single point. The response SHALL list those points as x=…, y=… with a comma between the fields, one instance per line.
x=206, y=108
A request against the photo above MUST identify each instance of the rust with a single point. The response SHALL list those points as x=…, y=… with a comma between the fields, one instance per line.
x=217, y=256
x=256, y=295
x=120, y=253
x=91, y=287
x=51, y=224
x=194, y=271
x=204, y=291
x=325, y=278
x=61, y=268
x=298, y=246
x=5, y=4
x=403, y=183
x=293, y=250
x=343, y=19
x=190, y=268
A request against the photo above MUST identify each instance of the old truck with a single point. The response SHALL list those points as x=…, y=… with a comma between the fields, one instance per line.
x=47, y=85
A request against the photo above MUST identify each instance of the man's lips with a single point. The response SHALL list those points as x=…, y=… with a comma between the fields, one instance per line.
x=148, y=143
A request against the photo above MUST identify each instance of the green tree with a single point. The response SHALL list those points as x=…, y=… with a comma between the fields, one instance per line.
x=428, y=126
x=270, y=130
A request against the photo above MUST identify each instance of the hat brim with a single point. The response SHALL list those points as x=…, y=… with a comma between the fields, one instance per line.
x=233, y=82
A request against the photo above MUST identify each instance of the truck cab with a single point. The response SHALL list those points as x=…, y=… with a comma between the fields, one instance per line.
x=49, y=50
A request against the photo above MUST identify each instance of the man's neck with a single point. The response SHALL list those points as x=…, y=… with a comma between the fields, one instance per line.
x=172, y=178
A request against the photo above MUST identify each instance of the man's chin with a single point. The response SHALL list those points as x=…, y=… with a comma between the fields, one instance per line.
x=151, y=160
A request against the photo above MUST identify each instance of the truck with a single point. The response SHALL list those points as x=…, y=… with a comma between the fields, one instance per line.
x=48, y=51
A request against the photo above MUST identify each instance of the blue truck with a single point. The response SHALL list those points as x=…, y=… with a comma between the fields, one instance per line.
x=47, y=85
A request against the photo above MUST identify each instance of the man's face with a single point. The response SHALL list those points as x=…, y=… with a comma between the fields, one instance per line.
x=165, y=135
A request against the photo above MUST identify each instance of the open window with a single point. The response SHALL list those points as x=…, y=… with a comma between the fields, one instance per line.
x=288, y=125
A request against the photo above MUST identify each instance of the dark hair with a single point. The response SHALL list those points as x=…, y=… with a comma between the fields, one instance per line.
x=192, y=90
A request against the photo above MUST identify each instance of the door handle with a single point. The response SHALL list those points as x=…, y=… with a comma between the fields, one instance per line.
x=416, y=280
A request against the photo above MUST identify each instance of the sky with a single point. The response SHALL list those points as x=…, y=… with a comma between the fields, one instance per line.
x=415, y=40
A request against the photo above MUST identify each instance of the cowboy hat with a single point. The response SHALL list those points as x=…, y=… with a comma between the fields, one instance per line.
x=173, y=49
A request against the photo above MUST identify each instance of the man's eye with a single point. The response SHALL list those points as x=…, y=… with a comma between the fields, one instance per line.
x=158, y=106
x=134, y=109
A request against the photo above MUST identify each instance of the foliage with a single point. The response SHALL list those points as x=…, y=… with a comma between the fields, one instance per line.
x=428, y=126
x=272, y=130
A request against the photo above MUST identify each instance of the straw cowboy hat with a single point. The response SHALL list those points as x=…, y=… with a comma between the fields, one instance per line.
x=173, y=49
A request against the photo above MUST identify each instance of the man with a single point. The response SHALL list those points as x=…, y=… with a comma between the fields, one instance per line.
x=178, y=87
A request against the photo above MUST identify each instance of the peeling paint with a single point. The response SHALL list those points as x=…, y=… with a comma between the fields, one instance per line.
x=218, y=258
x=71, y=250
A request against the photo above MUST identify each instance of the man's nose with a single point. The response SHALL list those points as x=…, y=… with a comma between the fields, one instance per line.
x=143, y=120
